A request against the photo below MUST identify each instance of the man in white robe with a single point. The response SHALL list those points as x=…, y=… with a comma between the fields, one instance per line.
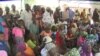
x=26, y=16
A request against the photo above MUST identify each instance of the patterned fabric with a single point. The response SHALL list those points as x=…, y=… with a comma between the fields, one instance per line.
x=73, y=52
x=86, y=51
x=92, y=38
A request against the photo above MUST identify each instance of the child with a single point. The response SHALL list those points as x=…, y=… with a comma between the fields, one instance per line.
x=18, y=32
x=54, y=29
x=46, y=31
x=3, y=44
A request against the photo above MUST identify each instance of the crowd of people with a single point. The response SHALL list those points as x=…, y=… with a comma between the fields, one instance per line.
x=43, y=32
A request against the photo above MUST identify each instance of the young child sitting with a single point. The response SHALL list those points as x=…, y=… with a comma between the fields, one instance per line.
x=54, y=29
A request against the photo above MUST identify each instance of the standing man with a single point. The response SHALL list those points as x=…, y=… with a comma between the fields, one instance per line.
x=26, y=16
x=14, y=12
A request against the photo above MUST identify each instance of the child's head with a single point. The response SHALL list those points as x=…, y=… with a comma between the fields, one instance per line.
x=20, y=23
x=1, y=36
x=54, y=28
x=47, y=29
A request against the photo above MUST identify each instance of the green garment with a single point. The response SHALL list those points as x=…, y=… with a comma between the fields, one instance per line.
x=31, y=44
x=91, y=36
x=34, y=29
x=81, y=33
x=73, y=52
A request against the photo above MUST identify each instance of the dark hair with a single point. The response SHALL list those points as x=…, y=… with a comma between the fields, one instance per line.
x=1, y=32
x=47, y=29
x=20, y=23
x=54, y=28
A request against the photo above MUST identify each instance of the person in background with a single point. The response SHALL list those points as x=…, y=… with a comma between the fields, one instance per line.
x=95, y=15
x=71, y=14
x=8, y=17
x=26, y=16
x=65, y=14
x=83, y=14
x=34, y=28
x=57, y=15
x=48, y=16
x=14, y=12
x=99, y=15
x=77, y=15
x=53, y=29
x=93, y=37
x=90, y=19
x=90, y=11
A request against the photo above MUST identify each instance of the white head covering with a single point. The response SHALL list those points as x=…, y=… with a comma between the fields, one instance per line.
x=47, y=39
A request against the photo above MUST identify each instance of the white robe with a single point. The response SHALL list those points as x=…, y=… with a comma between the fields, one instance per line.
x=27, y=18
x=47, y=18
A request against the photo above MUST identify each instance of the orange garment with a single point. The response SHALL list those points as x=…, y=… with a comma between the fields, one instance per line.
x=29, y=51
x=43, y=33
